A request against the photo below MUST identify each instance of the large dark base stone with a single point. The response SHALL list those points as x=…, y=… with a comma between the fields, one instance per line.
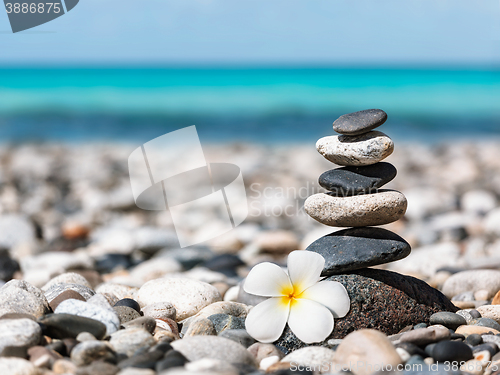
x=382, y=300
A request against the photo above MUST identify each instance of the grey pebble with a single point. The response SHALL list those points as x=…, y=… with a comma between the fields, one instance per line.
x=240, y=336
x=126, y=314
x=88, y=351
x=447, y=319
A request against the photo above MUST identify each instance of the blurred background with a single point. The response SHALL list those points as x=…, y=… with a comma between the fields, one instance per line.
x=262, y=81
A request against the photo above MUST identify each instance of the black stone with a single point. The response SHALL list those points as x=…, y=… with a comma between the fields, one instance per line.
x=448, y=319
x=356, y=248
x=457, y=336
x=111, y=262
x=429, y=349
x=475, y=314
x=129, y=302
x=59, y=347
x=450, y=351
x=224, y=263
x=8, y=266
x=359, y=122
x=61, y=326
x=142, y=360
x=349, y=181
x=162, y=346
x=474, y=339
x=172, y=359
x=382, y=300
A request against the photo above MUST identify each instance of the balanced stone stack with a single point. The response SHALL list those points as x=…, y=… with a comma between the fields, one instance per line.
x=380, y=299
x=355, y=198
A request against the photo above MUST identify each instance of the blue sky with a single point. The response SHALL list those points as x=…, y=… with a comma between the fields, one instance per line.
x=262, y=32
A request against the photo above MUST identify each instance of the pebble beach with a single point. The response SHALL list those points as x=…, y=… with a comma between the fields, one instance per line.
x=94, y=285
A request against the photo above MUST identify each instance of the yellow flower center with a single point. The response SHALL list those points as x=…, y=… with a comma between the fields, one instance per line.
x=290, y=295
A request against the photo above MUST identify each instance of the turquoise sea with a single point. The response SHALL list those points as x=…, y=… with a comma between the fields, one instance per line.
x=243, y=104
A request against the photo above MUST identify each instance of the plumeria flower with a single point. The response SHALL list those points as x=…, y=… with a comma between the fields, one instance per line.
x=298, y=298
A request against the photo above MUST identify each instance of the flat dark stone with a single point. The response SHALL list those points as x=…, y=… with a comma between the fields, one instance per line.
x=356, y=248
x=348, y=181
x=382, y=300
x=359, y=122
x=449, y=351
x=448, y=319
x=61, y=326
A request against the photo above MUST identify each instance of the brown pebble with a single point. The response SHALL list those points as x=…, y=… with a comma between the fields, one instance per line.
x=201, y=327
x=74, y=231
x=146, y=322
x=18, y=316
x=63, y=366
x=464, y=304
x=496, y=299
x=280, y=366
x=42, y=357
x=469, y=330
x=168, y=325
x=70, y=344
x=67, y=294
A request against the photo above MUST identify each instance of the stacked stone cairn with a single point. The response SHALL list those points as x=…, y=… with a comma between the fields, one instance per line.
x=383, y=300
x=355, y=198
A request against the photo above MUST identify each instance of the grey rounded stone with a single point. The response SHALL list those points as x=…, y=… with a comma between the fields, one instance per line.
x=224, y=321
x=18, y=333
x=56, y=289
x=160, y=310
x=17, y=366
x=106, y=316
x=359, y=122
x=188, y=296
x=357, y=150
x=346, y=181
x=314, y=356
x=356, y=248
x=67, y=278
x=240, y=336
x=448, y=319
x=199, y=347
x=88, y=351
x=18, y=296
x=146, y=322
x=381, y=208
x=472, y=280
x=128, y=341
x=126, y=314
x=201, y=326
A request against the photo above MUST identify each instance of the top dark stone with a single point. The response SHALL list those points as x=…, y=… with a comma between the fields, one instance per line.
x=347, y=181
x=359, y=122
x=448, y=319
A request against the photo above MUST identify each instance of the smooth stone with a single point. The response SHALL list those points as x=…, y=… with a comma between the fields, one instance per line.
x=198, y=347
x=420, y=325
x=203, y=327
x=129, y=302
x=8, y=266
x=117, y=290
x=168, y=325
x=411, y=348
x=67, y=294
x=451, y=351
x=347, y=181
x=42, y=357
x=20, y=333
x=126, y=314
x=61, y=326
x=142, y=360
x=464, y=297
x=210, y=365
x=67, y=278
x=160, y=310
x=106, y=316
x=260, y=351
x=380, y=208
x=486, y=322
x=466, y=315
x=404, y=301
x=490, y=311
x=56, y=289
x=357, y=150
x=424, y=336
x=491, y=338
x=64, y=366
x=247, y=298
x=490, y=347
x=447, y=319
x=128, y=341
x=17, y=366
x=188, y=296
x=359, y=122
x=224, y=262
x=88, y=351
x=472, y=280
x=18, y=296
x=224, y=321
x=171, y=359
x=107, y=263
x=469, y=330
x=136, y=371
x=17, y=316
x=475, y=314
x=313, y=356
x=239, y=310
x=474, y=339
x=85, y=336
x=146, y=322
x=240, y=336
x=366, y=351
x=356, y=248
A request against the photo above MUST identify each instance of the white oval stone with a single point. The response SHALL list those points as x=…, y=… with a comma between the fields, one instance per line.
x=188, y=296
x=472, y=280
x=313, y=356
x=365, y=149
x=380, y=208
x=19, y=332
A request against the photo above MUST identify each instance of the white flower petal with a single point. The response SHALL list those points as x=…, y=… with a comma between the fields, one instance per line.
x=304, y=268
x=266, y=321
x=330, y=294
x=268, y=280
x=310, y=321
